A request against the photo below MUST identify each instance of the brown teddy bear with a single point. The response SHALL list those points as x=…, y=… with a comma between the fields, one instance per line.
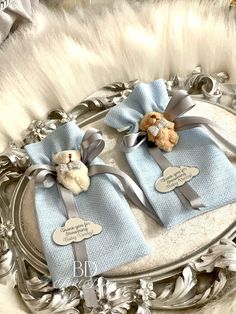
x=159, y=130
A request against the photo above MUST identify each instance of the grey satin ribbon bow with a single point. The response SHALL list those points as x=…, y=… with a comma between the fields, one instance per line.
x=64, y=168
x=179, y=104
x=91, y=146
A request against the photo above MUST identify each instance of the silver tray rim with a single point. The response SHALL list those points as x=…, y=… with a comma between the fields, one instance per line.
x=174, y=286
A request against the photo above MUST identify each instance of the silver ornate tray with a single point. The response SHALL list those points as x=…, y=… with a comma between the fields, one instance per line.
x=188, y=281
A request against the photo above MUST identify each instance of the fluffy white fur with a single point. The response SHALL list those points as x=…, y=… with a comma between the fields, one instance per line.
x=67, y=54
x=71, y=51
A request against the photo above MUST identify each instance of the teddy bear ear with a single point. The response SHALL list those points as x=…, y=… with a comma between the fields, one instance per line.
x=78, y=154
x=55, y=157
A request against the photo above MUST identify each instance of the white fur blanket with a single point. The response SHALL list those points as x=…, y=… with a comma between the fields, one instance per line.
x=69, y=52
x=66, y=55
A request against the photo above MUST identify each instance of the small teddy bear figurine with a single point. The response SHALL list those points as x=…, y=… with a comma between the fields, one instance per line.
x=71, y=171
x=159, y=130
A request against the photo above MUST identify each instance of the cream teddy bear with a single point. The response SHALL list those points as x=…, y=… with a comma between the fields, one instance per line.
x=71, y=171
x=159, y=130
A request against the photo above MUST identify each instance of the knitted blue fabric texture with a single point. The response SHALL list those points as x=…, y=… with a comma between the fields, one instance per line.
x=120, y=241
x=216, y=182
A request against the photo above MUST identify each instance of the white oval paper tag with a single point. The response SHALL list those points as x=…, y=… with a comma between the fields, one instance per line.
x=174, y=177
x=75, y=230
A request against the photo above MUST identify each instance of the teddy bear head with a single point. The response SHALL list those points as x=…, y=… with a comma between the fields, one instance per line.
x=159, y=130
x=66, y=156
x=72, y=173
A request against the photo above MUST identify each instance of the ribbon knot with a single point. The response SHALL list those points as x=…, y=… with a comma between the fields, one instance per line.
x=155, y=129
x=64, y=168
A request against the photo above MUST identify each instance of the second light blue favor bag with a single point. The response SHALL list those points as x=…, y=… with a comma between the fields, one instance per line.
x=216, y=182
x=120, y=241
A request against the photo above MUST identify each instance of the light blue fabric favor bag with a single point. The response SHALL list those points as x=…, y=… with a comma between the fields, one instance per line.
x=120, y=241
x=216, y=181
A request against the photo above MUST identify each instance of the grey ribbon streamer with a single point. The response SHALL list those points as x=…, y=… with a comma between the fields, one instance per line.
x=92, y=145
x=179, y=104
x=185, y=123
x=184, y=192
x=46, y=176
